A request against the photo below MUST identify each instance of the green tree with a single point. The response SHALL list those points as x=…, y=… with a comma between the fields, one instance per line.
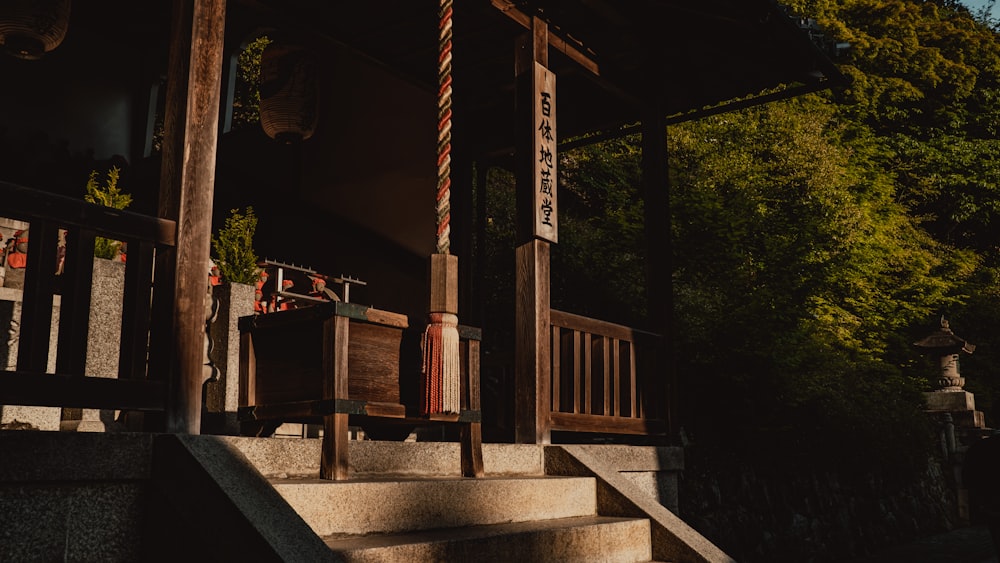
x=925, y=108
x=795, y=266
x=246, y=100
x=233, y=247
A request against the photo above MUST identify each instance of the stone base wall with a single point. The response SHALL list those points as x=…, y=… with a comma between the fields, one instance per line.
x=785, y=516
x=102, y=350
x=73, y=497
x=19, y=416
x=654, y=469
x=222, y=391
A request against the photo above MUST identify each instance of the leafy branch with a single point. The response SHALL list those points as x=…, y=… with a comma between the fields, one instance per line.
x=108, y=195
x=234, y=247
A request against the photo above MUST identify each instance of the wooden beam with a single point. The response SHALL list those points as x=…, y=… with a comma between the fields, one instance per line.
x=559, y=44
x=606, y=424
x=191, y=124
x=70, y=212
x=72, y=391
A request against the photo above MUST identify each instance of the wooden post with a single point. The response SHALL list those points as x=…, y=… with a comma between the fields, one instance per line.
x=472, y=432
x=336, y=441
x=656, y=195
x=532, y=345
x=443, y=276
x=532, y=338
x=532, y=324
x=187, y=179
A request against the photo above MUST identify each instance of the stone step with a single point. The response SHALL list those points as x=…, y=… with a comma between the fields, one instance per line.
x=299, y=457
x=578, y=540
x=382, y=506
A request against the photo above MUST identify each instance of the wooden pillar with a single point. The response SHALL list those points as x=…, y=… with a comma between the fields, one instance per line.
x=191, y=125
x=532, y=342
x=656, y=196
x=472, y=432
x=336, y=442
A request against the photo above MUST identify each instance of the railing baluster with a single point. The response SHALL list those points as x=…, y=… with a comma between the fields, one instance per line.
x=556, y=368
x=136, y=305
x=633, y=379
x=36, y=299
x=576, y=371
x=619, y=383
x=606, y=363
x=588, y=370
x=74, y=305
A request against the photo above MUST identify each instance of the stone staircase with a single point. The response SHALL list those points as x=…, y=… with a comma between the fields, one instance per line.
x=450, y=519
x=176, y=497
x=406, y=503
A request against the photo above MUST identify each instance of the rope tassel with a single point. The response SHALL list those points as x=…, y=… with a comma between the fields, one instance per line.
x=441, y=382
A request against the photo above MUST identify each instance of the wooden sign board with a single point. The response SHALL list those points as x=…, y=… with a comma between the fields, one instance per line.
x=545, y=160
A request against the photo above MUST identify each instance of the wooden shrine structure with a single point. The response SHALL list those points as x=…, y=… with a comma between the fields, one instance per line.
x=154, y=82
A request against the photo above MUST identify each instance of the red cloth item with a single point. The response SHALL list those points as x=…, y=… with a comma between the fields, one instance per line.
x=17, y=260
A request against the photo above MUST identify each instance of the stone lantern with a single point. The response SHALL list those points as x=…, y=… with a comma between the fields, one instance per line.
x=950, y=397
x=946, y=346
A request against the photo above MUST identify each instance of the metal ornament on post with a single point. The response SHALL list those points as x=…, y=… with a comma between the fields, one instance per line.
x=31, y=28
x=289, y=93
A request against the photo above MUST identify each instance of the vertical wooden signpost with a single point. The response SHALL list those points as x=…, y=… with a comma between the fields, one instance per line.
x=538, y=222
x=544, y=161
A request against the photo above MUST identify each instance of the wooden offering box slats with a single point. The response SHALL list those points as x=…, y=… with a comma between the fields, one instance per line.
x=293, y=368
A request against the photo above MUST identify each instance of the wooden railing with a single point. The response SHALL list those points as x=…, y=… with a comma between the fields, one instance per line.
x=47, y=214
x=604, y=378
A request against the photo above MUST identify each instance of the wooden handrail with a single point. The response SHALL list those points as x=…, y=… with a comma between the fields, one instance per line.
x=596, y=381
x=594, y=326
x=47, y=214
x=27, y=204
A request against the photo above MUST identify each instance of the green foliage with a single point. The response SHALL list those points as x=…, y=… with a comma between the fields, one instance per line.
x=598, y=264
x=795, y=264
x=233, y=248
x=814, y=241
x=246, y=101
x=108, y=195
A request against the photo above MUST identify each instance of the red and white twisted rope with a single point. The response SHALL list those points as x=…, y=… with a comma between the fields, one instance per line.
x=444, y=129
x=441, y=369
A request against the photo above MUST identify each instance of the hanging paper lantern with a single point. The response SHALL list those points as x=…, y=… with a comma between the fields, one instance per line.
x=31, y=28
x=289, y=92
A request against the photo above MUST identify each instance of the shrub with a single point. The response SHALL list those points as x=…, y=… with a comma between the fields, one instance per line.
x=107, y=195
x=233, y=247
